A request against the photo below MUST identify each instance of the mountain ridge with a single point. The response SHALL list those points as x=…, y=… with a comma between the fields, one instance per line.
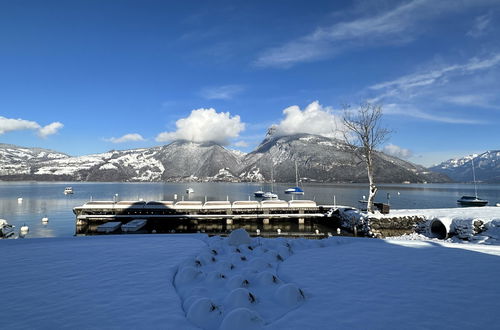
x=320, y=159
x=486, y=167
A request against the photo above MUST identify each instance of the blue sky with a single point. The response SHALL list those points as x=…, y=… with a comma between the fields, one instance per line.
x=90, y=76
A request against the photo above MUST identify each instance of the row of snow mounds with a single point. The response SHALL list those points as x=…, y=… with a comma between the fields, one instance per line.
x=233, y=283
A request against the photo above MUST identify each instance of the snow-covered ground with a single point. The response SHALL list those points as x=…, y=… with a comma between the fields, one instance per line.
x=461, y=225
x=192, y=282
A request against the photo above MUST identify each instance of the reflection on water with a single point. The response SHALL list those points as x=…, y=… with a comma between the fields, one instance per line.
x=41, y=200
x=213, y=227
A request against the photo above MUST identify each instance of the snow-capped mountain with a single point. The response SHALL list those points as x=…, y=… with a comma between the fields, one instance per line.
x=319, y=159
x=16, y=160
x=486, y=166
x=180, y=160
x=325, y=160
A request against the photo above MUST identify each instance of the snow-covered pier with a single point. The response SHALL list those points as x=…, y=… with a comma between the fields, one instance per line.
x=211, y=212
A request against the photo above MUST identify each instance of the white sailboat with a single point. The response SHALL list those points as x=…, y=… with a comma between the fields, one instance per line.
x=271, y=194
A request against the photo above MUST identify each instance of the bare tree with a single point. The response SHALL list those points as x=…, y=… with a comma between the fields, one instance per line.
x=363, y=135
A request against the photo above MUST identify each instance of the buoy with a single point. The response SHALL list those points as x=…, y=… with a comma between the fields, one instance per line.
x=20, y=200
x=45, y=219
x=398, y=193
x=317, y=231
x=258, y=231
x=175, y=196
x=338, y=231
x=279, y=231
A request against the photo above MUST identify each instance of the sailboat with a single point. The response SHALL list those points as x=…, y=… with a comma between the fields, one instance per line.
x=271, y=194
x=295, y=190
x=472, y=200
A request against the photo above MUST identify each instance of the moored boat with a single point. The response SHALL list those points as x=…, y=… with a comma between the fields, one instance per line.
x=6, y=230
x=270, y=195
x=134, y=225
x=68, y=190
x=259, y=193
x=295, y=190
x=189, y=190
x=471, y=201
x=109, y=227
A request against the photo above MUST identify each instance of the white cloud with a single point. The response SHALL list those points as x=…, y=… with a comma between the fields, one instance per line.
x=481, y=23
x=205, y=125
x=480, y=100
x=396, y=151
x=241, y=144
x=428, y=94
x=126, y=138
x=314, y=119
x=416, y=80
x=225, y=92
x=9, y=125
x=392, y=26
x=412, y=111
x=50, y=129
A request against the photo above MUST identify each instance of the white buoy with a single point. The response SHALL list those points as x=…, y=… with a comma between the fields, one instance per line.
x=279, y=231
x=258, y=231
x=317, y=231
x=45, y=219
x=338, y=231
x=398, y=193
x=175, y=196
x=20, y=200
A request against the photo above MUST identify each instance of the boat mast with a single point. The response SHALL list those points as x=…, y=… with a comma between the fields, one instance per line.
x=296, y=175
x=474, y=176
x=272, y=178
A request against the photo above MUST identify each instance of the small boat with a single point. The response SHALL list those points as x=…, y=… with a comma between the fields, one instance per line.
x=189, y=190
x=68, y=190
x=295, y=190
x=270, y=195
x=259, y=193
x=471, y=201
x=109, y=227
x=6, y=230
x=134, y=225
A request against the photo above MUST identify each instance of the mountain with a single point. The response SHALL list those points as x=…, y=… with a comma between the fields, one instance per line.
x=180, y=160
x=16, y=160
x=319, y=159
x=325, y=160
x=486, y=166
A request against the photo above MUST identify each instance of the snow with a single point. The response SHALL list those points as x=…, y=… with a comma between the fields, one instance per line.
x=200, y=282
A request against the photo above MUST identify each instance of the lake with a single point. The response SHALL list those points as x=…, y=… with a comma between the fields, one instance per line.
x=43, y=199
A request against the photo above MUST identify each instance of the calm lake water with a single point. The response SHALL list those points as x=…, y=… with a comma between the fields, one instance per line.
x=42, y=199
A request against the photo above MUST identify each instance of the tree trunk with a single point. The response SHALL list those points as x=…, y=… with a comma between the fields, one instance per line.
x=373, y=188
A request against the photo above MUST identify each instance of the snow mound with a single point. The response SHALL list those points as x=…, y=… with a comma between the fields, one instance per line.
x=242, y=319
x=239, y=237
x=205, y=314
x=233, y=284
x=289, y=295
